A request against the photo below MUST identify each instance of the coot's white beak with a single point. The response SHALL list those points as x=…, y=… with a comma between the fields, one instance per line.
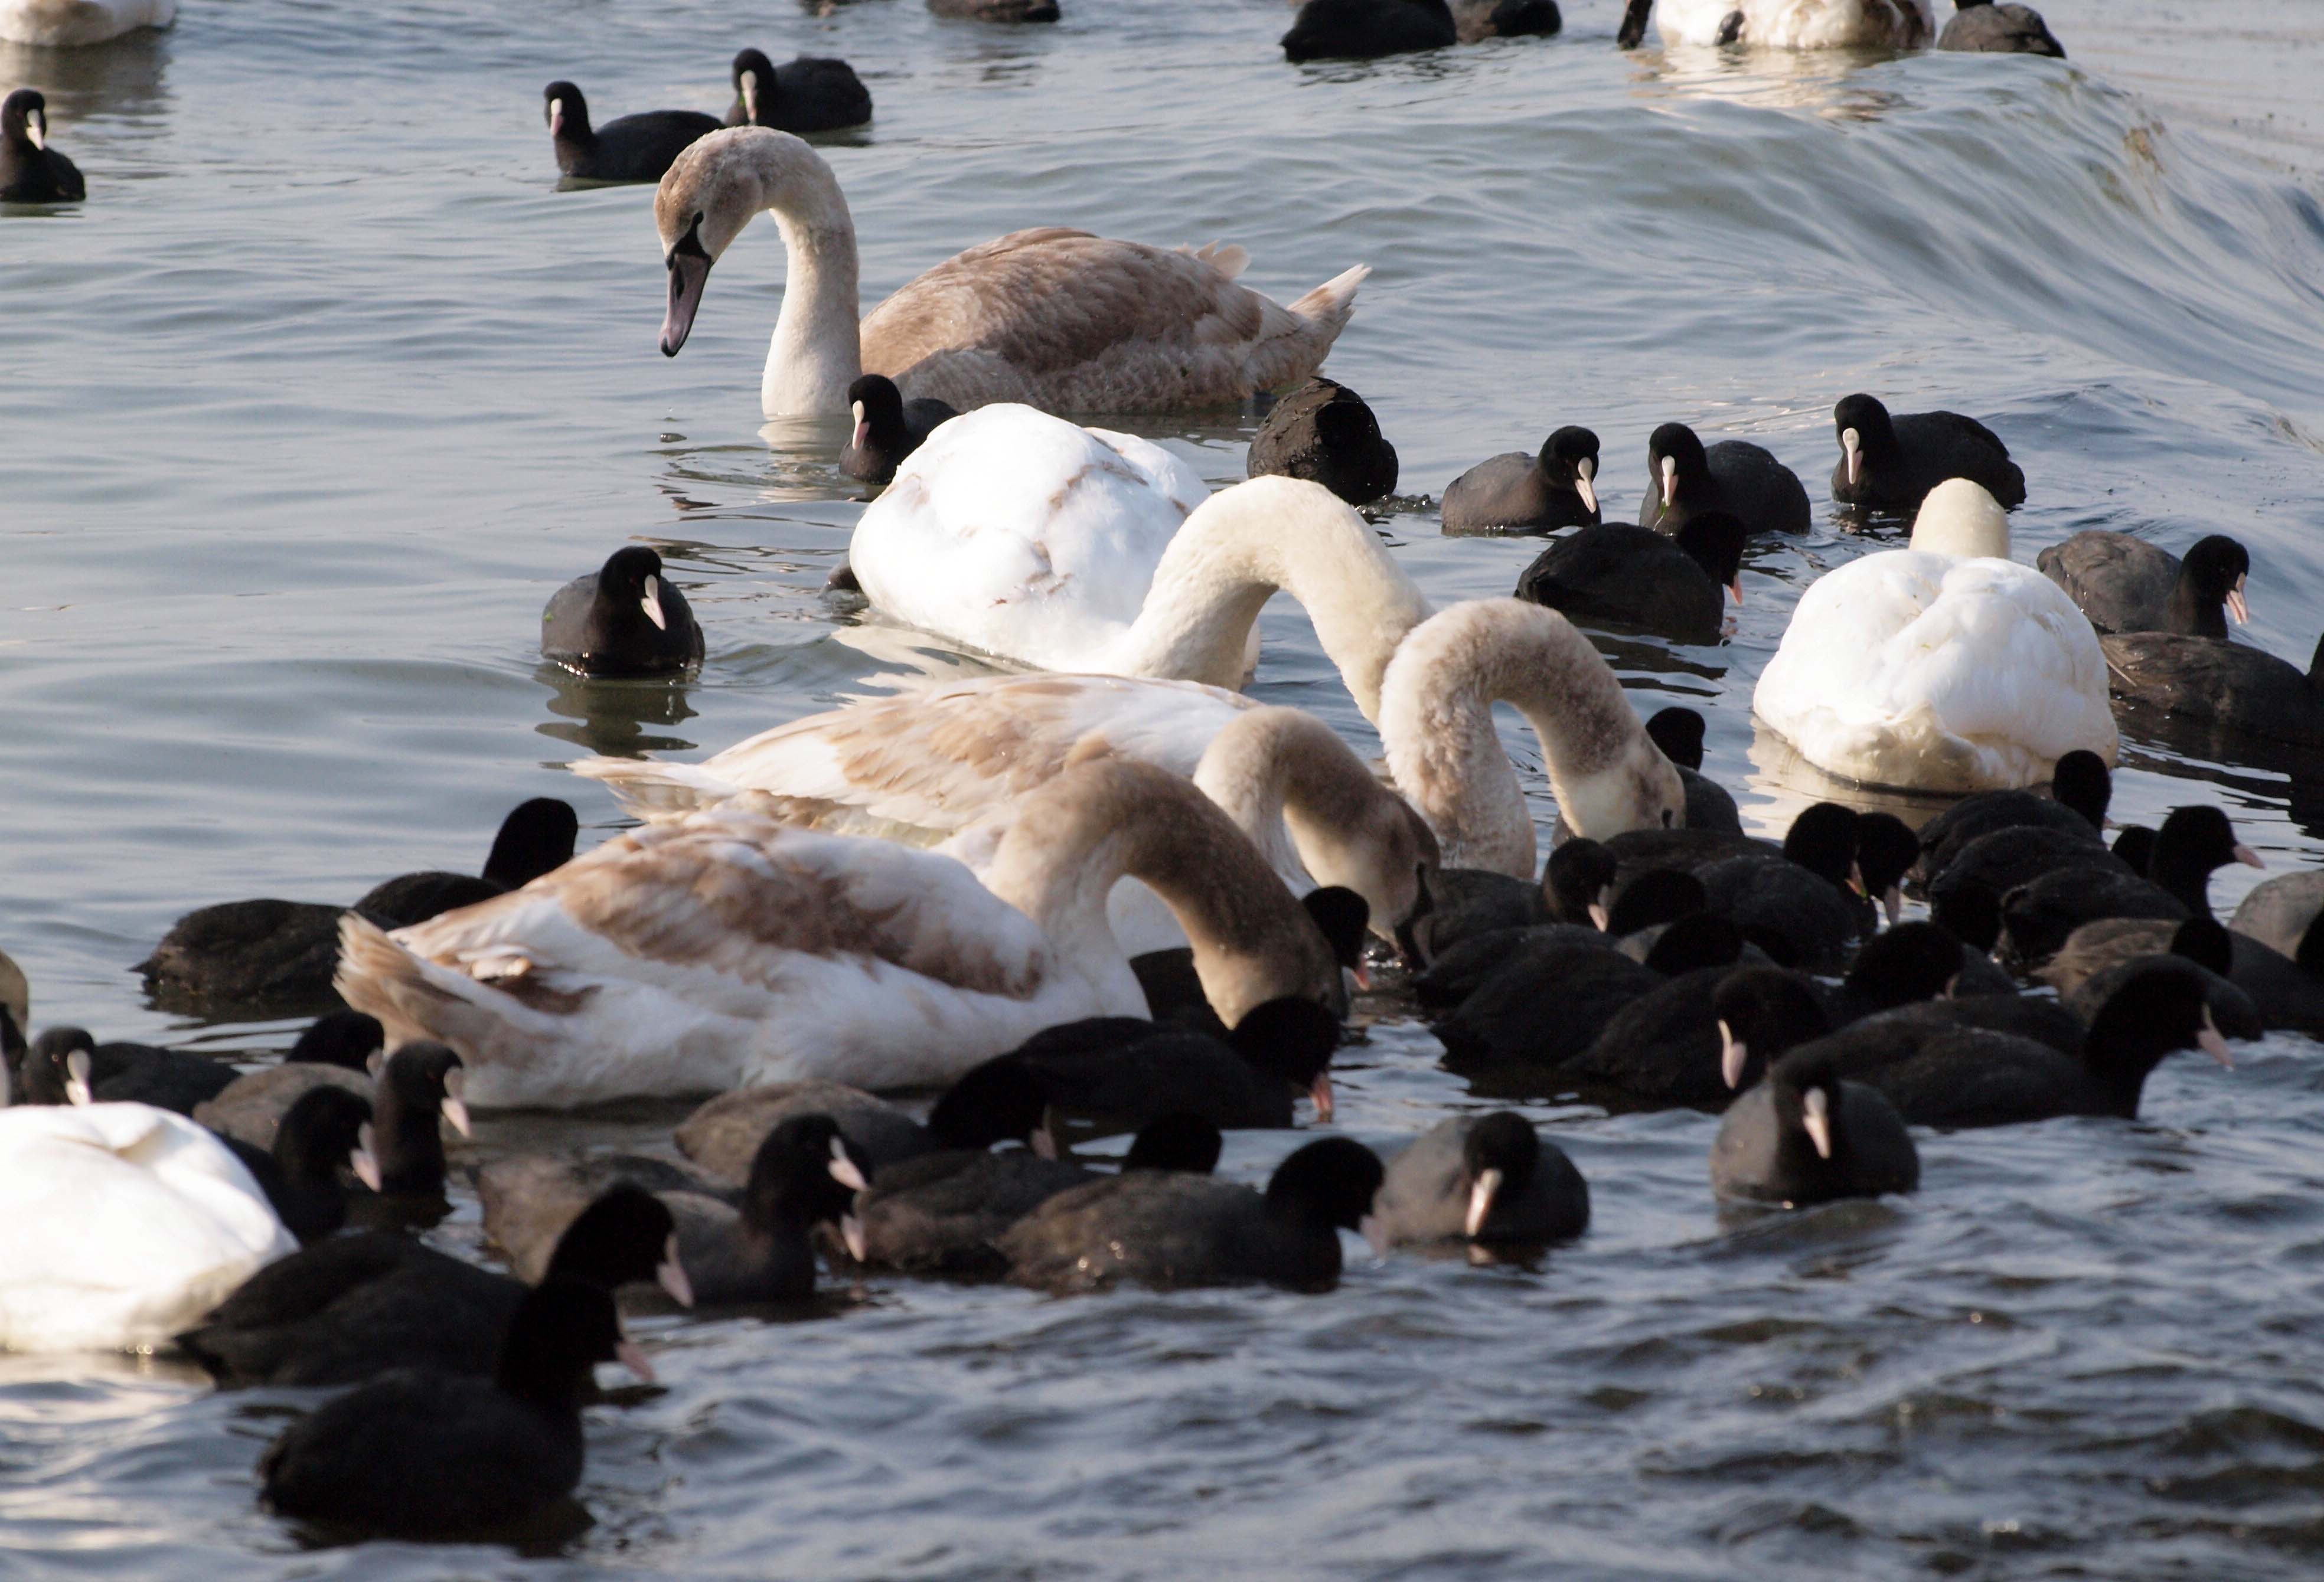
x=1816, y=1115
x=651, y=603
x=77, y=1088
x=556, y=116
x=670, y=1275
x=750, y=96
x=2237, y=606
x=36, y=127
x=1670, y=481
x=1732, y=1053
x=1045, y=1137
x=634, y=1360
x=456, y=1108
x=2212, y=1043
x=1598, y=915
x=2248, y=857
x=1585, y=474
x=850, y=1231
x=1892, y=901
x=863, y=428
x=1320, y=1092
x=1852, y=443
x=364, y=1160
x=844, y=1171
x=1735, y=590
x=1480, y=1202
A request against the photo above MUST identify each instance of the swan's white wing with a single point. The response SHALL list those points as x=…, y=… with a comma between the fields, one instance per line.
x=1919, y=670
x=688, y=957
x=121, y=1224
x=1018, y=534
x=934, y=761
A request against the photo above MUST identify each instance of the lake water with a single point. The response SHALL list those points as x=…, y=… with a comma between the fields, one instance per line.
x=325, y=389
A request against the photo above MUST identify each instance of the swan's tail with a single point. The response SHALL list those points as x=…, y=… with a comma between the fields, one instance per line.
x=412, y=997
x=1327, y=306
x=1225, y=257
x=655, y=791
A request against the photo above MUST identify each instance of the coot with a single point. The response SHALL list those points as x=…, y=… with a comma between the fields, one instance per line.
x=1890, y=463
x=625, y=619
x=1685, y=480
x=1517, y=492
x=634, y=148
x=1324, y=432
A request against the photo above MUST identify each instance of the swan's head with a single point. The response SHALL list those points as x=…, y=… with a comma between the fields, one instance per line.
x=1382, y=851
x=1958, y=518
x=754, y=83
x=706, y=199
x=1638, y=788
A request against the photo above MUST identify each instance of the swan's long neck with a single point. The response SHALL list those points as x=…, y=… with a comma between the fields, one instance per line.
x=1436, y=723
x=818, y=350
x=1237, y=549
x=1117, y=818
x=1249, y=770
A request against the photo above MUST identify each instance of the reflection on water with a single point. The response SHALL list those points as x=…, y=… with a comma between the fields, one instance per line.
x=613, y=718
x=120, y=79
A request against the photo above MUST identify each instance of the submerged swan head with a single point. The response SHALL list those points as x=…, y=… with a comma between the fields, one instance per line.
x=1960, y=518
x=712, y=191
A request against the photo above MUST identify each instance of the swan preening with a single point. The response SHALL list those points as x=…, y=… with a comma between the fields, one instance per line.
x=1053, y=317
x=66, y=22
x=1945, y=667
x=728, y=948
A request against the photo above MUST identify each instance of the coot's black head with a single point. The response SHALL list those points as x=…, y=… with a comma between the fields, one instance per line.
x=320, y=1133
x=566, y=111
x=1763, y=1013
x=1714, y=540
x=561, y=1330
x=625, y=1237
x=1576, y=881
x=2136, y=846
x=347, y=1039
x=1911, y=963
x=1659, y=895
x=1805, y=1087
x=2192, y=841
x=2158, y=1009
x=754, y=63
x=2082, y=782
x=999, y=1101
x=1498, y=1157
x=1347, y=425
x=1972, y=913
x=805, y=1172
x=1181, y=1142
x=1293, y=1039
x=537, y=837
x=24, y=119
x=2205, y=941
x=2213, y=575
x=1705, y=938
x=1864, y=417
x=1678, y=731
x=418, y=1087
x=1886, y=849
x=56, y=1069
x=1822, y=839
x=1674, y=459
x=1569, y=459
x=1331, y=1183
x=1343, y=916
x=879, y=409
x=427, y=1075
x=628, y=575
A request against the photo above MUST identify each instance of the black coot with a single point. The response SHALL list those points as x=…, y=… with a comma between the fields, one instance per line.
x=30, y=171
x=420, y=1452
x=996, y=10
x=1888, y=464
x=2227, y=693
x=1517, y=492
x=1324, y=432
x=1676, y=585
x=1490, y=1179
x=1802, y=1136
x=1684, y=481
x=888, y=427
x=996, y=1102
x=65, y=1066
x=1170, y=1229
x=335, y=1051
x=1996, y=863
x=1669, y=1045
x=1121, y=1073
x=810, y=94
x=1983, y=27
x=1678, y=731
x=1910, y=963
x=2099, y=958
x=2037, y=916
x=1542, y=1006
x=1468, y=903
x=417, y=1091
x=2080, y=788
x=2124, y=583
x=1798, y=906
x=634, y=148
x=1365, y=30
x=1476, y=20
x=300, y=1175
x=623, y=619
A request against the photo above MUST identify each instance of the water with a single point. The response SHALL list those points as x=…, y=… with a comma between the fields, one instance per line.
x=309, y=409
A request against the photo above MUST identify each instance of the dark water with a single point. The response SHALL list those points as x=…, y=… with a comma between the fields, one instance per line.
x=310, y=406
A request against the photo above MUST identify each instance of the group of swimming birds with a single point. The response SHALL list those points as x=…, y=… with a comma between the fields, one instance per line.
x=1109, y=894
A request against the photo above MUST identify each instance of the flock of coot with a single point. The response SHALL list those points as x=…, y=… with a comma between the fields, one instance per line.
x=1111, y=895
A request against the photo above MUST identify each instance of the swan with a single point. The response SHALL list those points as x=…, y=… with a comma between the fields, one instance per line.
x=120, y=1225
x=729, y=948
x=1086, y=588
x=1945, y=667
x=63, y=23
x=1053, y=317
x=1785, y=25
x=949, y=764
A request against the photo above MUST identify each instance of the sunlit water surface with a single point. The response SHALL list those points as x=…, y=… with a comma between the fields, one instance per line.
x=312, y=404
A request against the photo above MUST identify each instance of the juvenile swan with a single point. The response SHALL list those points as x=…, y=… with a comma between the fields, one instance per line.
x=1054, y=318
x=66, y=22
x=729, y=948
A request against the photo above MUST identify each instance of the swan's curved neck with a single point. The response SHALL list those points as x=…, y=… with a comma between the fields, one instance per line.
x=1436, y=723
x=1237, y=549
x=817, y=349
x=1088, y=828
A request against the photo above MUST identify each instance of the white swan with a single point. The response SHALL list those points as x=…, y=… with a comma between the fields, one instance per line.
x=1945, y=667
x=120, y=1225
x=64, y=22
x=727, y=948
x=1053, y=317
x=934, y=762
x=1193, y=618
x=1785, y=24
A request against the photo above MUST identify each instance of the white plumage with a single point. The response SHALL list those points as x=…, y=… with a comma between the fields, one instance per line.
x=120, y=1225
x=1800, y=25
x=65, y=22
x=1931, y=670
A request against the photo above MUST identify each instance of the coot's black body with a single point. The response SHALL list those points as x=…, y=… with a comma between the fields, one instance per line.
x=1491, y=1180
x=29, y=170
x=1324, y=432
x=634, y=148
x=888, y=427
x=1675, y=584
x=1983, y=27
x=2124, y=583
x=810, y=94
x=626, y=617
x=1365, y=30
x=1769, y=1150
x=1899, y=458
x=1685, y=480
x=1515, y=492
